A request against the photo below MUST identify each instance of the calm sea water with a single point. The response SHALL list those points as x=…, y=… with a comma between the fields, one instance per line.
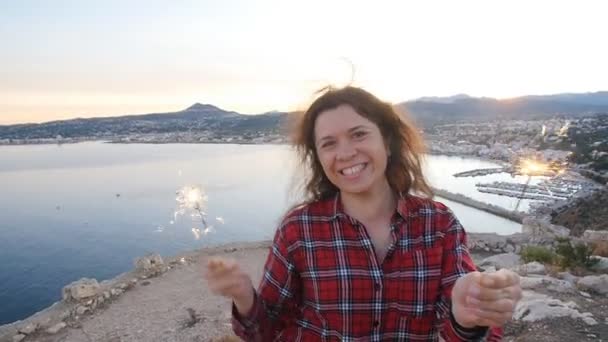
x=87, y=210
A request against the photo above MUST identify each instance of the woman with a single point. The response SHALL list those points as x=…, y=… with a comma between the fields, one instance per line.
x=369, y=256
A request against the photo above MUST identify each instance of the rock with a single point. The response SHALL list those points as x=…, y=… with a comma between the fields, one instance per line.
x=116, y=292
x=536, y=307
x=541, y=230
x=100, y=300
x=602, y=264
x=134, y=281
x=530, y=283
x=107, y=294
x=18, y=338
x=598, y=284
x=150, y=263
x=28, y=329
x=489, y=269
x=584, y=294
x=123, y=286
x=595, y=235
x=534, y=267
x=56, y=328
x=64, y=314
x=505, y=260
x=552, y=284
x=589, y=321
x=81, y=289
x=568, y=277
x=509, y=248
x=81, y=310
x=517, y=249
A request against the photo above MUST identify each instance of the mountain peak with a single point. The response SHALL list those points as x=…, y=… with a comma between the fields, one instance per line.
x=199, y=107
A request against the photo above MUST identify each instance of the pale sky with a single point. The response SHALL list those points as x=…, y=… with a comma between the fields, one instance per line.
x=66, y=59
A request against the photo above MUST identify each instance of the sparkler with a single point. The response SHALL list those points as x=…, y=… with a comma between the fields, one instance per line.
x=534, y=167
x=192, y=199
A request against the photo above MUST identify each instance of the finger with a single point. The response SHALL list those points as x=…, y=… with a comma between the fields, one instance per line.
x=226, y=287
x=221, y=265
x=492, y=318
x=230, y=264
x=214, y=263
x=488, y=323
x=484, y=293
x=501, y=279
x=499, y=306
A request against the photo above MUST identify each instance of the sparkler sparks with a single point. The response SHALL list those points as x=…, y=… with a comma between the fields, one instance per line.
x=535, y=167
x=192, y=201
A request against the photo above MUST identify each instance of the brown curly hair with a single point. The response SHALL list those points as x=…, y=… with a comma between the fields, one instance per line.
x=406, y=146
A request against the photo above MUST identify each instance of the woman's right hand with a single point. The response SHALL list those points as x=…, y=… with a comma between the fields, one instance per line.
x=226, y=278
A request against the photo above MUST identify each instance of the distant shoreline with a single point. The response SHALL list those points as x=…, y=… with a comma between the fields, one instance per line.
x=489, y=208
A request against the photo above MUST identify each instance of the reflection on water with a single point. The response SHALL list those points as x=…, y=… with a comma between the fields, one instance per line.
x=87, y=210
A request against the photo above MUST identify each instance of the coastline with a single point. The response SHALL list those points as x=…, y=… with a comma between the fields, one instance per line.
x=489, y=208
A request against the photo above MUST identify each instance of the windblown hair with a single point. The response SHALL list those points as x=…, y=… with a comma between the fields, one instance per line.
x=404, y=168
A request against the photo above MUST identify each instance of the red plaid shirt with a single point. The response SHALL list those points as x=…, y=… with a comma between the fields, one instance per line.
x=323, y=282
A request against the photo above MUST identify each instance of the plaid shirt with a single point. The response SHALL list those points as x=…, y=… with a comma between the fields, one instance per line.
x=323, y=282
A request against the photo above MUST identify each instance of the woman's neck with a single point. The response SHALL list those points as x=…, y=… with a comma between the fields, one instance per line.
x=375, y=205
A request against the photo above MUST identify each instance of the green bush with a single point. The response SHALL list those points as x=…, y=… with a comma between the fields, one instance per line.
x=578, y=255
x=536, y=253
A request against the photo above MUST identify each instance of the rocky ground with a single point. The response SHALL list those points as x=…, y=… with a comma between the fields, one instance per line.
x=168, y=301
x=556, y=306
x=588, y=213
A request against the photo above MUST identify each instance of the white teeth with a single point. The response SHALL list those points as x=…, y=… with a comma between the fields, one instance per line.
x=352, y=170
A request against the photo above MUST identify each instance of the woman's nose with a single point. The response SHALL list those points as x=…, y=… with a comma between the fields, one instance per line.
x=346, y=151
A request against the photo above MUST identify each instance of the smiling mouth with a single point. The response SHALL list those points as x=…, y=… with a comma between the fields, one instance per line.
x=353, y=170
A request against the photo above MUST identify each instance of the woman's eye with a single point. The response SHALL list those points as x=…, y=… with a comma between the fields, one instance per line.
x=327, y=144
x=359, y=134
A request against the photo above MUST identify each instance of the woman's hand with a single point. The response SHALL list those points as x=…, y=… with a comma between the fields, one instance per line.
x=485, y=299
x=226, y=278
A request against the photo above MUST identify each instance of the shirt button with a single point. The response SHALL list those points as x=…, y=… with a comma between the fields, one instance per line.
x=376, y=324
x=377, y=286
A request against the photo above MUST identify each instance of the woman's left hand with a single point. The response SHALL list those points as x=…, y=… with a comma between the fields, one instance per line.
x=485, y=299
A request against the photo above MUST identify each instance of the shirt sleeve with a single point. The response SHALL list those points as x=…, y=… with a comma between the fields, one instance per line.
x=457, y=262
x=275, y=300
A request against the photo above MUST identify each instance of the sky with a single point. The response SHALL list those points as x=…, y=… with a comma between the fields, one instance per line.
x=66, y=59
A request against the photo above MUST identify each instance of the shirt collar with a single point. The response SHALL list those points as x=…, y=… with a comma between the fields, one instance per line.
x=402, y=206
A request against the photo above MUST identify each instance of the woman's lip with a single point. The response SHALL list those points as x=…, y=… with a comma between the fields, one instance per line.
x=363, y=166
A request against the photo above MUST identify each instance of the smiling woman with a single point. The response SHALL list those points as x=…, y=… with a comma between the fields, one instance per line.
x=369, y=254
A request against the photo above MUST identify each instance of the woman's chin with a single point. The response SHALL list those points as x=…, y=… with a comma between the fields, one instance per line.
x=355, y=189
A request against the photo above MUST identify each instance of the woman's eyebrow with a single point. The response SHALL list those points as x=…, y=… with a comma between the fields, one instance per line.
x=357, y=128
x=350, y=130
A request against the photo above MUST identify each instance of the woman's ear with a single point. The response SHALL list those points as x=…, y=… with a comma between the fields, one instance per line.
x=387, y=145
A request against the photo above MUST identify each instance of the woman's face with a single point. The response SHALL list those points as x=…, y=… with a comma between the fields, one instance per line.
x=351, y=150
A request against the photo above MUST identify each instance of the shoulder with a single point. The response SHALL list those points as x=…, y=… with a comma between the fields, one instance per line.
x=440, y=215
x=422, y=205
x=305, y=216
